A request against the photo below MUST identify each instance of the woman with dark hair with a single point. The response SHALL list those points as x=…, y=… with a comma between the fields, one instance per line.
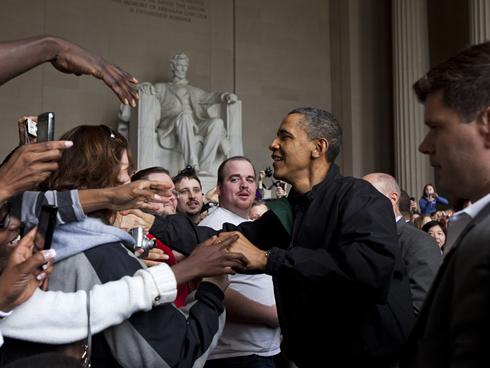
x=437, y=231
x=92, y=251
x=99, y=159
x=429, y=200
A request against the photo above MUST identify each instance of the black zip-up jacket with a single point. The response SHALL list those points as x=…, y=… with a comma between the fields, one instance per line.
x=338, y=276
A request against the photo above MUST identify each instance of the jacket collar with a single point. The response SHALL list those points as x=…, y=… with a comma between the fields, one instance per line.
x=485, y=211
x=296, y=198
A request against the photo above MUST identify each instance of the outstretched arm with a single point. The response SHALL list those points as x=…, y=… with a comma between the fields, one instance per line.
x=48, y=316
x=140, y=194
x=18, y=57
x=73, y=205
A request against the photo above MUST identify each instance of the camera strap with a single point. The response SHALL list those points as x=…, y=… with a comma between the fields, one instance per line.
x=87, y=348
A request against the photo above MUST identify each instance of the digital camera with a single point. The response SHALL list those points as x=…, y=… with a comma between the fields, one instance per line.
x=141, y=241
x=268, y=172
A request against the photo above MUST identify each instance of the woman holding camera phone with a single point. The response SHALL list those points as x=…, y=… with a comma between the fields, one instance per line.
x=429, y=200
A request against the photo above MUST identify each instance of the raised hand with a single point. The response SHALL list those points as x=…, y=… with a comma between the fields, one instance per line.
x=29, y=165
x=74, y=59
x=23, y=272
x=17, y=57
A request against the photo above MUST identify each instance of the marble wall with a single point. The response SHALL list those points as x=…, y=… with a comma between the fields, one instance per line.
x=275, y=54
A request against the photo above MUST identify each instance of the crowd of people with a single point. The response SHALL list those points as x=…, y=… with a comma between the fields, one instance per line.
x=315, y=269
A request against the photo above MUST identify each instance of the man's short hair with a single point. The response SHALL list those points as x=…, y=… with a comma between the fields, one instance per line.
x=145, y=173
x=318, y=124
x=221, y=168
x=464, y=80
x=404, y=203
x=188, y=172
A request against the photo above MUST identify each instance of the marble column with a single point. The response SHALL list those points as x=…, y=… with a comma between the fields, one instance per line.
x=479, y=21
x=410, y=62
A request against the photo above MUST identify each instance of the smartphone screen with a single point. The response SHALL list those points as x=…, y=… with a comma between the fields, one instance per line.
x=45, y=227
x=45, y=127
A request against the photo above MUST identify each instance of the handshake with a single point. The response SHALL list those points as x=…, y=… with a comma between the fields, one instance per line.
x=236, y=242
x=227, y=253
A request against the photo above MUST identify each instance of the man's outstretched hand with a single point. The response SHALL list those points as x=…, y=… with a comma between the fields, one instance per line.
x=211, y=258
x=141, y=194
x=76, y=60
x=257, y=258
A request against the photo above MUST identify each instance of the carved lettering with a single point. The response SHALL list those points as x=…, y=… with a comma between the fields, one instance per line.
x=176, y=10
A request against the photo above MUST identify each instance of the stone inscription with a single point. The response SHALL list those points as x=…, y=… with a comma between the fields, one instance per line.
x=178, y=10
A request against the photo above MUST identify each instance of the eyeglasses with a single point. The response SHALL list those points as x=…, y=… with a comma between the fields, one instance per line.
x=5, y=211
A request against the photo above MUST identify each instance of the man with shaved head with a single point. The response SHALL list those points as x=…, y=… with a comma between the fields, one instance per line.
x=420, y=253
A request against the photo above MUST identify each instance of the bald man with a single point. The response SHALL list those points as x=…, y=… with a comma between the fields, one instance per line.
x=420, y=253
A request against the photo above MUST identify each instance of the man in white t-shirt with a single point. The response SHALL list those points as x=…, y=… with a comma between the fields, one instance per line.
x=251, y=337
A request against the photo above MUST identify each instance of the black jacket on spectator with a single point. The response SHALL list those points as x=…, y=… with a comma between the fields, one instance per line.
x=341, y=289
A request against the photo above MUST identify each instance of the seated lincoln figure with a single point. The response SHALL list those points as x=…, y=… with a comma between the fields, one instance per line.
x=184, y=119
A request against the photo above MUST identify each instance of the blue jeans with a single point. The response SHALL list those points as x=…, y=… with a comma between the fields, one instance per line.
x=248, y=361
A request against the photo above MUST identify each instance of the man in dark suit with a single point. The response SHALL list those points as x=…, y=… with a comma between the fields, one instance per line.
x=420, y=253
x=453, y=328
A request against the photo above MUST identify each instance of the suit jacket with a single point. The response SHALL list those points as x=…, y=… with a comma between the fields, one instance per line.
x=422, y=258
x=453, y=328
